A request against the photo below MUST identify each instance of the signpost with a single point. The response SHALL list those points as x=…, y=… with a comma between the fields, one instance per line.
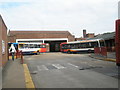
x=3, y=47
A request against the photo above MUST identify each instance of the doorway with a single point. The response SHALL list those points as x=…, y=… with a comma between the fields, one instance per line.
x=54, y=46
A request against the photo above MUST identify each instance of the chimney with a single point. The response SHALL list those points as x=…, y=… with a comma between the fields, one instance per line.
x=84, y=33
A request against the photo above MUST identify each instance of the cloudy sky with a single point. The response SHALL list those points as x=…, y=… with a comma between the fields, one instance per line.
x=96, y=16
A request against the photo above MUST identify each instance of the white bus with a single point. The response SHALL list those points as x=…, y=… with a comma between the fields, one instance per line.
x=82, y=46
x=32, y=48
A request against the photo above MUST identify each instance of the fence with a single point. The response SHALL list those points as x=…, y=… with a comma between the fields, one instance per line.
x=111, y=49
x=101, y=51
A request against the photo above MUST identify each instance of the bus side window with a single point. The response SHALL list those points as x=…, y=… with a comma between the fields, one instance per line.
x=90, y=44
x=40, y=46
x=69, y=46
x=94, y=44
x=36, y=46
x=21, y=46
x=102, y=44
x=64, y=46
x=31, y=45
x=43, y=46
x=79, y=45
x=73, y=46
x=25, y=46
x=83, y=45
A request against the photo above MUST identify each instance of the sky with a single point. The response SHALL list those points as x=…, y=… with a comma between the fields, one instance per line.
x=96, y=16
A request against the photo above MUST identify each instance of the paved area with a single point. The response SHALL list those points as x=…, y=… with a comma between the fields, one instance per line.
x=111, y=56
x=13, y=75
x=0, y=78
x=59, y=70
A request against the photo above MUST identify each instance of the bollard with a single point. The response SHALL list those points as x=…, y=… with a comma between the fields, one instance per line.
x=21, y=57
x=16, y=54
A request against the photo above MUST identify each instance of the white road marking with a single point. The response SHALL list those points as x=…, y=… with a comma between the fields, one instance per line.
x=58, y=66
x=44, y=67
x=39, y=68
x=73, y=65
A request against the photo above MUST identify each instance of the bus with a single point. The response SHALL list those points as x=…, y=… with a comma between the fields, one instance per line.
x=82, y=46
x=32, y=48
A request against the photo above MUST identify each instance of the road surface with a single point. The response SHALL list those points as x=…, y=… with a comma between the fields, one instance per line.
x=60, y=70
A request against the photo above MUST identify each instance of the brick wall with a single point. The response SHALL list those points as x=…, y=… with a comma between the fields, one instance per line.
x=3, y=38
x=39, y=35
x=90, y=35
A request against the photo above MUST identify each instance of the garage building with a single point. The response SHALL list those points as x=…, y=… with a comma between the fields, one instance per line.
x=53, y=38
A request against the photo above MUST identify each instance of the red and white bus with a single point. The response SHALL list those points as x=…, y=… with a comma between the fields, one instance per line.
x=32, y=48
x=82, y=46
x=117, y=42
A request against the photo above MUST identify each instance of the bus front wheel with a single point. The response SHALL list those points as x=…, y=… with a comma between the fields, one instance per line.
x=38, y=53
x=69, y=52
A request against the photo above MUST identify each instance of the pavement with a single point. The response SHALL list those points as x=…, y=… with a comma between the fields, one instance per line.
x=13, y=75
x=110, y=56
x=0, y=77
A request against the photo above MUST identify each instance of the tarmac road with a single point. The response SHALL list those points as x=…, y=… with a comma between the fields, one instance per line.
x=60, y=70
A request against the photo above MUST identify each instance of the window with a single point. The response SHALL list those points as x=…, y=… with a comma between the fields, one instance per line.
x=31, y=46
x=21, y=46
x=102, y=43
x=94, y=44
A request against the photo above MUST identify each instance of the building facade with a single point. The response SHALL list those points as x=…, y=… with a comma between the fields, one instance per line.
x=109, y=40
x=3, y=43
x=85, y=36
x=90, y=35
x=53, y=38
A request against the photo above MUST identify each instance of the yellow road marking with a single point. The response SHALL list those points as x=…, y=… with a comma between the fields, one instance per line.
x=28, y=78
x=10, y=57
x=105, y=59
x=113, y=60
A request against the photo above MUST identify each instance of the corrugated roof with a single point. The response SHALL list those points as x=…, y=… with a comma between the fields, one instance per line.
x=106, y=36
